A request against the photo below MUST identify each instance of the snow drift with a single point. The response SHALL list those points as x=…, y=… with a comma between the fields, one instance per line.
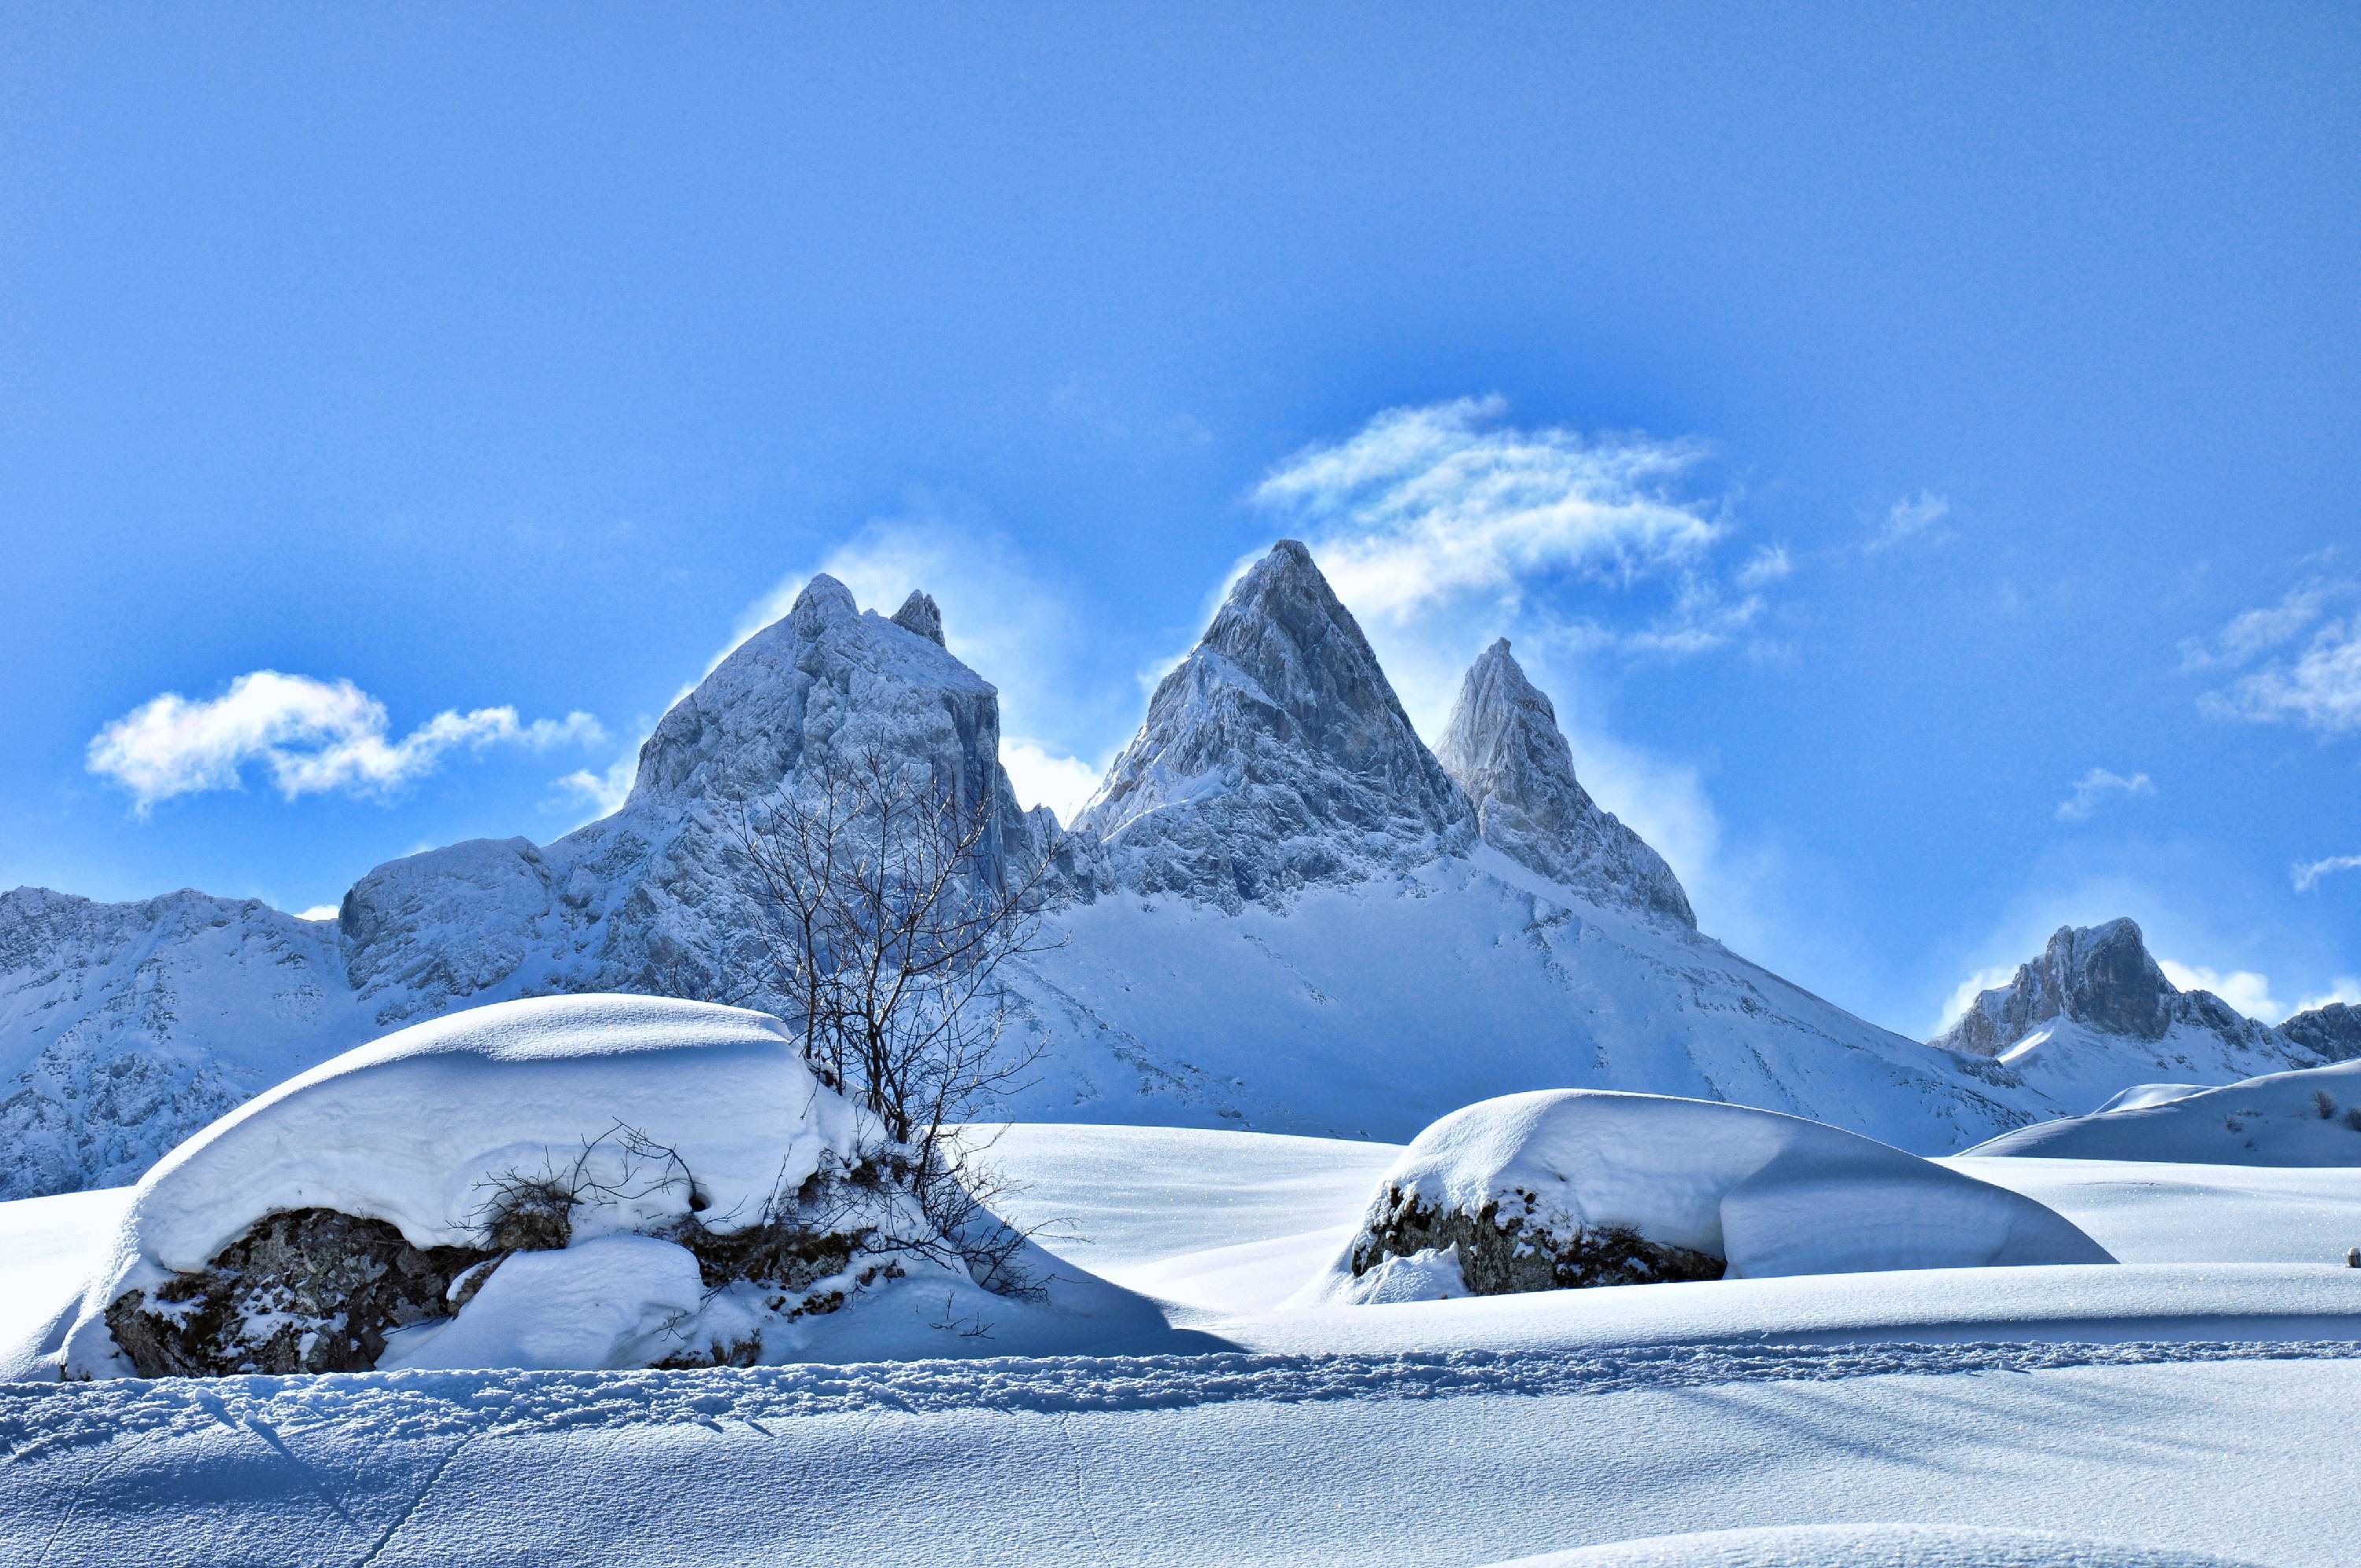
x=584, y=1182
x=2310, y=1117
x=1571, y=1188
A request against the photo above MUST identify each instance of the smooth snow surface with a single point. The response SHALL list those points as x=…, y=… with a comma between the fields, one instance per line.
x=1773, y=1195
x=1873, y=1546
x=603, y=1302
x=2311, y=1117
x=2195, y=1399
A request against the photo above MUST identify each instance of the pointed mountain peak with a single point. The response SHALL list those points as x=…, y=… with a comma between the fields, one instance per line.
x=1274, y=755
x=824, y=600
x=918, y=615
x=1503, y=749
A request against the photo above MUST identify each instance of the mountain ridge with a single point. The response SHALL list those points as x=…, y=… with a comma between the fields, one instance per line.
x=1281, y=910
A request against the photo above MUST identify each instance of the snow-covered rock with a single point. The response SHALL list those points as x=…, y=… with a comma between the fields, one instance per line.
x=1276, y=755
x=2308, y=1117
x=1572, y=1188
x=279, y=1239
x=1503, y=749
x=2094, y=1013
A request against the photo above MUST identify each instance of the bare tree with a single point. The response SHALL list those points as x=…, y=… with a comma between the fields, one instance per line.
x=886, y=915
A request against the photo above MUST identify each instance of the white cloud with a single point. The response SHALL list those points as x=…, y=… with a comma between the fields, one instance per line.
x=2257, y=632
x=313, y=737
x=2319, y=688
x=2317, y=685
x=319, y=911
x=1912, y=517
x=2344, y=987
x=607, y=789
x=2094, y=786
x=1044, y=778
x=1428, y=504
x=1968, y=989
x=2305, y=876
x=1768, y=565
x=2243, y=989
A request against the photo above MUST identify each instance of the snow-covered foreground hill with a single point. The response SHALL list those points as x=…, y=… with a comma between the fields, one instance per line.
x=2196, y=1397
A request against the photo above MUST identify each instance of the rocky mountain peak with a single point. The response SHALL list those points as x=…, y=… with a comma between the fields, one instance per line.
x=2099, y=976
x=1504, y=749
x=2333, y=1030
x=1276, y=754
x=919, y=615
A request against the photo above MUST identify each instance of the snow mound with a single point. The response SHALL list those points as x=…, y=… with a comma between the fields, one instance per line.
x=2140, y=1095
x=457, y=1157
x=1873, y=1546
x=2309, y=1117
x=1577, y=1186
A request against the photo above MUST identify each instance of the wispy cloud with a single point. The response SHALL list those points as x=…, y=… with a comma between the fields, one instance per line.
x=604, y=789
x=2307, y=877
x=311, y=737
x=2244, y=990
x=2344, y=987
x=2093, y=788
x=1426, y=504
x=1968, y=989
x=1912, y=517
x=1767, y=565
x=2302, y=658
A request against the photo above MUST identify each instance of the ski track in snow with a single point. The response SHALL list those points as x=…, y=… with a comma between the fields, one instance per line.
x=41, y=1419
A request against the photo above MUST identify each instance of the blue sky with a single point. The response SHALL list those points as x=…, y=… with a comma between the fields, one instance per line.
x=1915, y=447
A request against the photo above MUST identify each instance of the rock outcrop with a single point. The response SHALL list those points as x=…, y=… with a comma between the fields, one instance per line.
x=2333, y=1031
x=1503, y=749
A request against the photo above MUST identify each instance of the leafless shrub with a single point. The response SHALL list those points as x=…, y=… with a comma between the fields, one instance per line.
x=886, y=906
x=2324, y=1103
x=532, y=1211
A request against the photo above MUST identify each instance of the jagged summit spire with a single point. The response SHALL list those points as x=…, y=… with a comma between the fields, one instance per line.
x=919, y=615
x=1503, y=748
x=1274, y=755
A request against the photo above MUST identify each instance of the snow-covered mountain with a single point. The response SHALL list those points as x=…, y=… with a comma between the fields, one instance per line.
x=1280, y=910
x=2094, y=1013
x=1503, y=748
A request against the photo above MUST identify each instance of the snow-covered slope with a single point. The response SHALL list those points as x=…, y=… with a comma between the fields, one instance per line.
x=2308, y=1117
x=123, y=1027
x=2094, y=1015
x=1280, y=910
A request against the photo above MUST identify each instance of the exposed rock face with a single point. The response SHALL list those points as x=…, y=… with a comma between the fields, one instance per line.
x=1500, y=1256
x=2101, y=976
x=1275, y=755
x=919, y=615
x=2333, y=1031
x=309, y=1290
x=1505, y=751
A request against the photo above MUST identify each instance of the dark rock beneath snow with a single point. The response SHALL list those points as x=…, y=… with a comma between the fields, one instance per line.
x=306, y=1291
x=1500, y=1256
